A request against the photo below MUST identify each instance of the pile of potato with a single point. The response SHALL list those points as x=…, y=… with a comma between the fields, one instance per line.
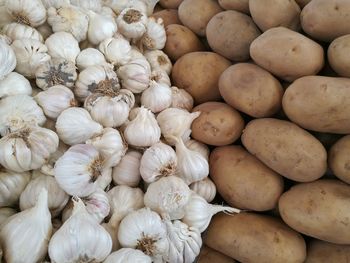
x=272, y=80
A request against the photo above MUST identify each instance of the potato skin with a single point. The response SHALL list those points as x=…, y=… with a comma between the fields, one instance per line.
x=286, y=148
x=249, y=237
x=198, y=73
x=287, y=54
x=339, y=159
x=244, y=181
x=339, y=55
x=171, y=4
x=323, y=252
x=169, y=16
x=237, y=5
x=318, y=209
x=209, y=255
x=319, y=103
x=251, y=89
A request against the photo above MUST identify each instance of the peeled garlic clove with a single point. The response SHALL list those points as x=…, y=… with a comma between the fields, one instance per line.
x=198, y=147
x=93, y=5
x=19, y=31
x=116, y=50
x=181, y=99
x=155, y=36
x=100, y=28
x=205, y=188
x=160, y=76
x=14, y=84
x=157, y=97
x=127, y=171
x=159, y=60
x=63, y=45
x=7, y=58
x=128, y=255
x=132, y=23
x=28, y=12
x=5, y=214
x=90, y=57
x=75, y=125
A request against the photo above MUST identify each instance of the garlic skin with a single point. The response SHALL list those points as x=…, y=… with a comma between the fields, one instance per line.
x=93, y=5
x=101, y=27
x=81, y=170
x=5, y=213
x=155, y=36
x=12, y=185
x=205, y=188
x=116, y=49
x=48, y=167
x=126, y=255
x=91, y=242
x=26, y=235
x=159, y=60
x=55, y=3
x=18, y=31
x=14, y=84
x=145, y=6
x=63, y=45
x=158, y=161
x=28, y=12
x=5, y=17
x=75, y=125
x=198, y=147
x=90, y=57
x=7, y=58
x=127, y=171
x=181, y=99
x=161, y=77
x=5, y=38
x=132, y=23
x=55, y=100
x=157, y=97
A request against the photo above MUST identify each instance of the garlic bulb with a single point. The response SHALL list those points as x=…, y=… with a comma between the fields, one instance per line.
x=75, y=125
x=5, y=213
x=143, y=131
x=168, y=196
x=55, y=100
x=205, y=188
x=17, y=111
x=157, y=97
x=5, y=38
x=155, y=36
x=199, y=212
x=45, y=30
x=126, y=255
x=55, y=3
x=100, y=28
x=159, y=60
x=146, y=6
x=110, y=144
x=160, y=76
x=93, y=5
x=57, y=71
x=132, y=23
x=19, y=31
x=7, y=58
x=12, y=185
x=56, y=224
x=158, y=161
x=198, y=147
x=81, y=170
x=69, y=19
x=26, y=235
x=14, y=84
x=90, y=57
x=5, y=17
x=144, y=230
x=116, y=50
x=135, y=53
x=91, y=242
x=28, y=12
x=181, y=99
x=63, y=45
x=48, y=167
x=127, y=171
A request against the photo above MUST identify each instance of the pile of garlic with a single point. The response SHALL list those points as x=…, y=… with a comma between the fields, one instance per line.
x=96, y=159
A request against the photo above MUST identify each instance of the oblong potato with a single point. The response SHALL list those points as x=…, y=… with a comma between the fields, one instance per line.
x=251, y=89
x=172, y=4
x=242, y=180
x=209, y=255
x=318, y=209
x=237, y=5
x=319, y=103
x=339, y=159
x=323, y=252
x=286, y=148
x=339, y=55
x=287, y=54
x=169, y=16
x=249, y=237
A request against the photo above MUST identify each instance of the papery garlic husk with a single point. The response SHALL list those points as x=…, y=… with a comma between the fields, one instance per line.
x=5, y=17
x=100, y=28
x=112, y=229
x=198, y=147
x=127, y=171
x=91, y=242
x=48, y=167
x=57, y=71
x=55, y=3
x=81, y=170
x=28, y=12
x=14, y=84
x=12, y=185
x=5, y=38
x=144, y=230
x=168, y=197
x=45, y=30
x=205, y=188
x=199, y=212
x=63, y=45
x=135, y=53
x=126, y=255
x=75, y=125
x=90, y=57
x=157, y=97
x=18, y=111
x=132, y=23
x=55, y=100
x=26, y=235
x=176, y=122
x=93, y=5
x=159, y=60
x=146, y=6
x=158, y=161
x=7, y=58
x=160, y=76
x=107, y=11
x=155, y=36
x=143, y=131
x=69, y=19
x=181, y=99
x=5, y=214
x=116, y=49
x=19, y=31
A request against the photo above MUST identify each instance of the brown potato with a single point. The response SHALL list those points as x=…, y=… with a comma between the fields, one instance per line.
x=326, y=20
x=209, y=255
x=323, y=252
x=286, y=148
x=169, y=16
x=195, y=14
x=242, y=180
x=249, y=237
x=319, y=103
x=230, y=33
x=171, y=4
x=287, y=54
x=198, y=73
x=339, y=55
x=180, y=41
x=339, y=159
x=318, y=209
x=237, y=5
x=251, y=89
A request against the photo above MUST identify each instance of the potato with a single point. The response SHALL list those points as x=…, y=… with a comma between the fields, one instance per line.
x=287, y=54
x=237, y=5
x=339, y=55
x=249, y=237
x=273, y=13
x=339, y=159
x=323, y=252
x=251, y=89
x=326, y=20
x=198, y=73
x=172, y=4
x=195, y=14
x=209, y=255
x=180, y=41
x=242, y=180
x=319, y=103
x=230, y=33
x=286, y=148
x=318, y=209
x=169, y=16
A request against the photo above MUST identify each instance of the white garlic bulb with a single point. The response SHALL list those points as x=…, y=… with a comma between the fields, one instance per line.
x=14, y=84
x=100, y=28
x=159, y=60
x=160, y=76
x=132, y=23
x=5, y=38
x=205, y=188
x=28, y=12
x=127, y=171
x=81, y=170
x=19, y=31
x=157, y=97
x=45, y=30
x=90, y=57
x=93, y=5
x=181, y=99
x=116, y=50
x=198, y=147
x=146, y=6
x=91, y=242
x=155, y=36
x=143, y=131
x=26, y=235
x=12, y=185
x=5, y=213
x=55, y=3
x=7, y=58
x=128, y=255
x=75, y=125
x=63, y=45
x=48, y=167
x=158, y=161
x=136, y=53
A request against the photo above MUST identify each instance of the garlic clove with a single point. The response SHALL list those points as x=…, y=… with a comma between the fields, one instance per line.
x=157, y=97
x=100, y=28
x=127, y=171
x=159, y=60
x=63, y=45
x=14, y=84
x=181, y=99
x=155, y=36
x=27, y=12
x=90, y=57
x=132, y=23
x=205, y=188
x=124, y=255
x=18, y=31
x=161, y=77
